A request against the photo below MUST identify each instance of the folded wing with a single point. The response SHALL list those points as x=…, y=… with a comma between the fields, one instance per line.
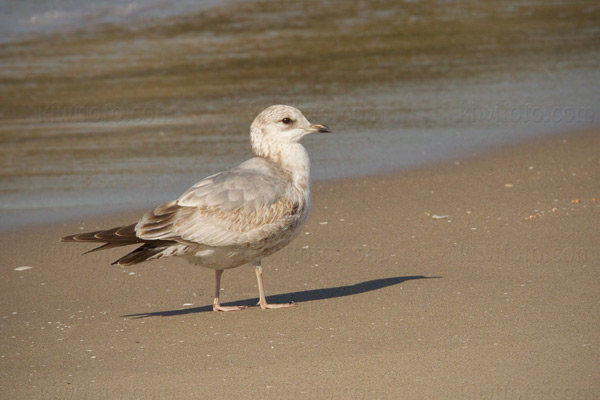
x=234, y=207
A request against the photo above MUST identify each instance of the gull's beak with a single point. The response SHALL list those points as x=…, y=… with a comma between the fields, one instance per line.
x=318, y=128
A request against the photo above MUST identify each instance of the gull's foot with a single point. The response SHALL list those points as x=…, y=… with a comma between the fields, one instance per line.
x=269, y=306
x=218, y=307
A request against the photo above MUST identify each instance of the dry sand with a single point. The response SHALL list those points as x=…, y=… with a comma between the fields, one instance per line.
x=392, y=303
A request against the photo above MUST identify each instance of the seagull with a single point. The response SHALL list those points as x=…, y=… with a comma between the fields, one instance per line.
x=235, y=217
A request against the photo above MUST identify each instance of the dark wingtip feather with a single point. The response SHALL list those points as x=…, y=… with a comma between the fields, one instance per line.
x=120, y=234
x=72, y=238
x=141, y=254
x=107, y=246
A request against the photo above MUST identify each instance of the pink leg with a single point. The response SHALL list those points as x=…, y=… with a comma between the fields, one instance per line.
x=216, y=303
x=261, y=292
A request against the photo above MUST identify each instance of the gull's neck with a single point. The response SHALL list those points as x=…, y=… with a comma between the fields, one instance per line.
x=292, y=157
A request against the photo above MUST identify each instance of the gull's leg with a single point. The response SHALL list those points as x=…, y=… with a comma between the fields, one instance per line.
x=262, y=302
x=216, y=303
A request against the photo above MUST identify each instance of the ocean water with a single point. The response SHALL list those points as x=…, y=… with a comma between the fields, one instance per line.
x=112, y=105
x=19, y=18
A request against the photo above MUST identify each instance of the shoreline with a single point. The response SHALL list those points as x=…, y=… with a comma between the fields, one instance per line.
x=114, y=210
x=496, y=294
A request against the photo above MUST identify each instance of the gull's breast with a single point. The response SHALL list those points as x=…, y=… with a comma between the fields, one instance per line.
x=281, y=235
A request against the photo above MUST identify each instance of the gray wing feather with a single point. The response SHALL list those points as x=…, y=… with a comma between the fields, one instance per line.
x=232, y=207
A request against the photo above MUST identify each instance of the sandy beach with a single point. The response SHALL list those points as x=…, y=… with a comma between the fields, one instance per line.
x=465, y=265
x=470, y=279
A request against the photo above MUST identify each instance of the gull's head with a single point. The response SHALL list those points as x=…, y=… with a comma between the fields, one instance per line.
x=280, y=125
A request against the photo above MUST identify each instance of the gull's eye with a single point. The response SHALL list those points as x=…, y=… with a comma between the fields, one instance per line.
x=286, y=121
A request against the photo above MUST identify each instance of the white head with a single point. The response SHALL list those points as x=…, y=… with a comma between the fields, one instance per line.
x=277, y=127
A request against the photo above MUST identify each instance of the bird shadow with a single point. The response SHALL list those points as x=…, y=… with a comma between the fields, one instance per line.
x=297, y=297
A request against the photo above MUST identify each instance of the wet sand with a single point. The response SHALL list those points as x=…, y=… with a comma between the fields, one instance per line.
x=497, y=300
